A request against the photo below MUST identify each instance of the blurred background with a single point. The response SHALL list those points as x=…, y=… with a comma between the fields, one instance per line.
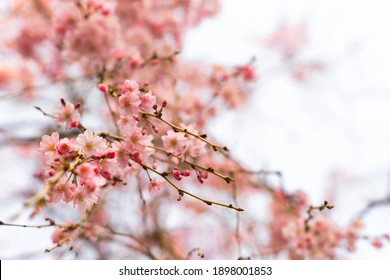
x=329, y=133
x=321, y=117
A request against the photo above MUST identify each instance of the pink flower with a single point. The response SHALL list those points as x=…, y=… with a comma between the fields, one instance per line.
x=66, y=233
x=126, y=122
x=175, y=142
x=128, y=103
x=155, y=185
x=67, y=114
x=195, y=148
x=137, y=140
x=82, y=199
x=86, y=170
x=121, y=153
x=130, y=87
x=148, y=100
x=89, y=144
x=62, y=190
x=289, y=39
x=48, y=144
x=64, y=147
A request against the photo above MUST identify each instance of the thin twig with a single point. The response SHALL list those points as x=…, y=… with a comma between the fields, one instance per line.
x=373, y=204
x=182, y=191
x=176, y=128
x=194, y=165
x=43, y=112
x=310, y=214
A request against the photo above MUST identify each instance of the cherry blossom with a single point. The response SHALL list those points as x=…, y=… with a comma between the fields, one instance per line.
x=49, y=143
x=155, y=185
x=175, y=142
x=89, y=144
x=67, y=114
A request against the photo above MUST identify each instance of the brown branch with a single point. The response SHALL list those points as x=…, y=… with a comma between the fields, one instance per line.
x=182, y=191
x=176, y=128
x=373, y=204
x=194, y=165
x=310, y=214
x=199, y=253
x=43, y=112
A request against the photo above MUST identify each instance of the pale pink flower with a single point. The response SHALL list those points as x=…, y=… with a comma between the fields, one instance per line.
x=63, y=190
x=175, y=142
x=137, y=140
x=67, y=233
x=48, y=144
x=89, y=144
x=155, y=185
x=148, y=100
x=67, y=114
x=82, y=199
x=121, y=153
x=195, y=148
x=126, y=123
x=86, y=170
x=128, y=103
x=130, y=86
x=289, y=39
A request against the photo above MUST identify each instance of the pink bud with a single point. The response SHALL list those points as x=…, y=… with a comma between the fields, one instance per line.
x=64, y=148
x=74, y=123
x=103, y=88
x=106, y=11
x=135, y=154
x=186, y=173
x=111, y=154
x=106, y=174
x=178, y=177
x=175, y=171
x=377, y=243
x=204, y=175
x=138, y=159
x=249, y=73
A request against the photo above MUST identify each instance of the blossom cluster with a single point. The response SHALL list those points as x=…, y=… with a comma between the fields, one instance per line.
x=304, y=235
x=78, y=169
